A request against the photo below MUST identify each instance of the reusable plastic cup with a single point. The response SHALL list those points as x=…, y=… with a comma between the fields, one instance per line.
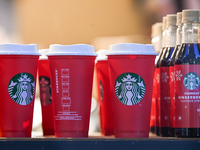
x=71, y=68
x=45, y=93
x=18, y=69
x=131, y=69
x=104, y=94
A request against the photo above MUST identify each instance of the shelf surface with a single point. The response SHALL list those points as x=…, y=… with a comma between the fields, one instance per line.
x=100, y=143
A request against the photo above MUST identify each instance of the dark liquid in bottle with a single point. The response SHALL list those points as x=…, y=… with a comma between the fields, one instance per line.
x=172, y=59
x=172, y=63
x=188, y=54
x=157, y=127
x=152, y=130
x=164, y=62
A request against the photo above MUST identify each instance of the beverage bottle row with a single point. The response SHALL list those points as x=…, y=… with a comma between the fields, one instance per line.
x=176, y=93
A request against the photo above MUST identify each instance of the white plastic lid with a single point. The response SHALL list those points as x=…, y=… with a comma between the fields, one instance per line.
x=76, y=49
x=43, y=53
x=131, y=48
x=101, y=54
x=18, y=49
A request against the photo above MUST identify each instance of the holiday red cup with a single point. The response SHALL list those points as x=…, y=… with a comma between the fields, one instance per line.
x=18, y=71
x=71, y=68
x=104, y=94
x=45, y=93
x=131, y=69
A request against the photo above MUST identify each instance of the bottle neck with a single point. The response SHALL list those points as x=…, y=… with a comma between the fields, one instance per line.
x=171, y=36
x=190, y=32
x=179, y=35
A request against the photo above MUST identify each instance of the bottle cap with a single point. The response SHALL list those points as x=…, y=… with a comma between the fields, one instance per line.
x=18, y=49
x=76, y=49
x=171, y=20
x=164, y=20
x=190, y=15
x=156, y=29
x=179, y=18
x=131, y=49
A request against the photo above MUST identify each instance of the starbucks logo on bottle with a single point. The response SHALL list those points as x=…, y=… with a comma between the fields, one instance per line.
x=191, y=81
x=129, y=88
x=21, y=88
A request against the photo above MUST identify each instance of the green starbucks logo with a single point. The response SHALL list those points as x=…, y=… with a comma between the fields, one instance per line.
x=191, y=81
x=21, y=88
x=129, y=88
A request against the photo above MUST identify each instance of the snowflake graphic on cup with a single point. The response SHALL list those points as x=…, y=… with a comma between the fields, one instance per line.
x=129, y=88
x=191, y=81
x=21, y=88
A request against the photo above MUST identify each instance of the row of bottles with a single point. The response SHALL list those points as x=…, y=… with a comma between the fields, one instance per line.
x=176, y=91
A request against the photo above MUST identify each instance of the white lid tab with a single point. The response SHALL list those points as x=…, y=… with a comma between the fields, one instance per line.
x=101, y=54
x=43, y=53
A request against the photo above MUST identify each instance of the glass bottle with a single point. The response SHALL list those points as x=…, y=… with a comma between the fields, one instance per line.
x=172, y=73
x=157, y=72
x=157, y=42
x=164, y=76
x=187, y=69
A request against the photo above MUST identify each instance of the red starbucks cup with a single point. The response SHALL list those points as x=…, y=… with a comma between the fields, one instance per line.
x=45, y=93
x=18, y=71
x=131, y=69
x=104, y=94
x=71, y=68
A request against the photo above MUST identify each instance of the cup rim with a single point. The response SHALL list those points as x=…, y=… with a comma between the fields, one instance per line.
x=75, y=49
x=131, y=49
x=19, y=49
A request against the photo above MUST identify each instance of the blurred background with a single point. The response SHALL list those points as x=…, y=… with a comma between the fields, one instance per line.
x=96, y=22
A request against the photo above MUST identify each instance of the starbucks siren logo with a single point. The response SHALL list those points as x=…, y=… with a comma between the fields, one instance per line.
x=129, y=88
x=191, y=81
x=21, y=88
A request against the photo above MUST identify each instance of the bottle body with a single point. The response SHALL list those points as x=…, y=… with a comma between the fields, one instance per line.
x=165, y=99
x=172, y=73
x=187, y=91
x=157, y=93
x=172, y=91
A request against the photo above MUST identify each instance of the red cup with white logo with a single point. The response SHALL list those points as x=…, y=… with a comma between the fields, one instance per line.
x=131, y=69
x=71, y=68
x=18, y=71
x=45, y=93
x=104, y=94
